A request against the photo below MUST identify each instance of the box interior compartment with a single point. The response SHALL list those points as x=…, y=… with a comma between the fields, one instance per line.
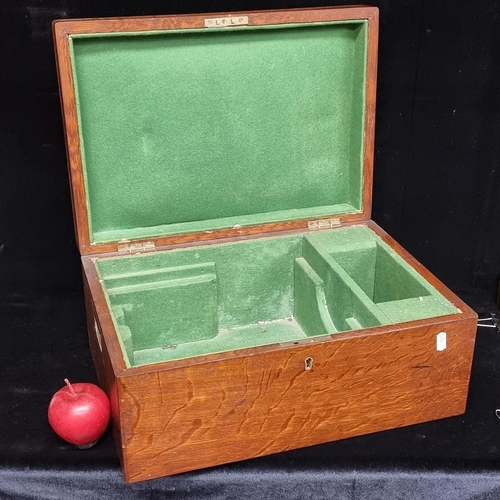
x=193, y=301
x=202, y=129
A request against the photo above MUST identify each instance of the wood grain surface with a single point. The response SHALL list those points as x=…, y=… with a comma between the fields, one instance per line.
x=217, y=412
x=99, y=340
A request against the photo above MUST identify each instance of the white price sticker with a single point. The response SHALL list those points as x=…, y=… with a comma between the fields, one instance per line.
x=441, y=341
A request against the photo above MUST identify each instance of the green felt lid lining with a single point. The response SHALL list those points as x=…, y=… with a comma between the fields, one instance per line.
x=194, y=130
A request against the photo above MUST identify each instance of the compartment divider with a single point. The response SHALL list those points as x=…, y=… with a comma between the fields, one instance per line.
x=158, y=275
x=349, y=306
x=311, y=311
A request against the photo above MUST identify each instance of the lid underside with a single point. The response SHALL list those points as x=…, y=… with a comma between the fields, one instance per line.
x=194, y=130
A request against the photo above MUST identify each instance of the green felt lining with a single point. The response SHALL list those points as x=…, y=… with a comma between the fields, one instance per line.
x=197, y=130
x=189, y=302
x=311, y=306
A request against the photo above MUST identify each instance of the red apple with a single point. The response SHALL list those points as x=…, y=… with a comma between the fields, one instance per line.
x=79, y=413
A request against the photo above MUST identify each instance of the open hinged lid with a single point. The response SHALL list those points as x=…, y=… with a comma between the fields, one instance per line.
x=198, y=127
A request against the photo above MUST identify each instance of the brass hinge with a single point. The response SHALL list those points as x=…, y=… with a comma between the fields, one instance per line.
x=323, y=224
x=223, y=22
x=136, y=247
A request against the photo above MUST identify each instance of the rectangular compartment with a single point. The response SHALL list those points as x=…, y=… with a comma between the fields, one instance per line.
x=216, y=298
x=382, y=279
x=175, y=305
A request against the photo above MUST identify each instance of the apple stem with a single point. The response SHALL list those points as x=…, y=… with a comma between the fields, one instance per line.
x=70, y=387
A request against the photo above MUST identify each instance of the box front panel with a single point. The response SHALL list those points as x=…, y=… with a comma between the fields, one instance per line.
x=180, y=419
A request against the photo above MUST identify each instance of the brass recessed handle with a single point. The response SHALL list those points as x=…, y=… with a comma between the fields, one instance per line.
x=308, y=364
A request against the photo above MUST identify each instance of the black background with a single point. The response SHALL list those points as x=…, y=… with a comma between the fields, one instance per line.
x=436, y=190
x=437, y=164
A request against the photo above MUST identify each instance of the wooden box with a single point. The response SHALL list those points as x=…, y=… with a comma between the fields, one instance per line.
x=240, y=300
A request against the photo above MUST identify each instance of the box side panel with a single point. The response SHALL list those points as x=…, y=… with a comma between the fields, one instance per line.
x=102, y=363
x=186, y=418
